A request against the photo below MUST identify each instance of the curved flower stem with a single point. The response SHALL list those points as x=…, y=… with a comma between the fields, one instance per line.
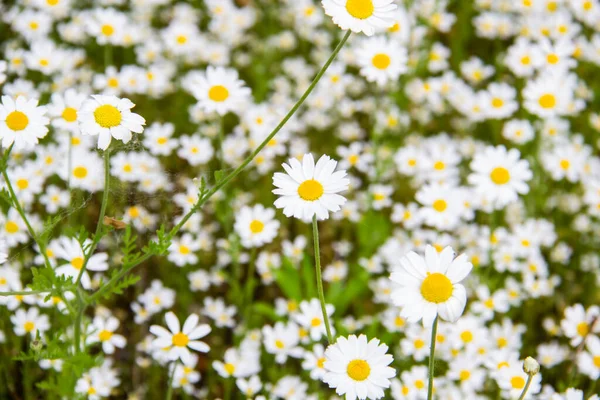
x=431, y=358
x=251, y=157
x=526, y=388
x=100, y=224
x=20, y=210
x=170, y=384
x=229, y=177
x=319, y=280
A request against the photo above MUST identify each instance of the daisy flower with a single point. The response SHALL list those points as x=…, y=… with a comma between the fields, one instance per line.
x=22, y=122
x=500, y=175
x=357, y=368
x=29, y=322
x=381, y=60
x=108, y=117
x=103, y=330
x=256, y=225
x=361, y=15
x=220, y=90
x=429, y=286
x=308, y=189
x=178, y=340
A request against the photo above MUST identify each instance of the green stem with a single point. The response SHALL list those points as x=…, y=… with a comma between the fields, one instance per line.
x=319, y=280
x=17, y=205
x=81, y=305
x=170, y=384
x=100, y=224
x=432, y=359
x=229, y=177
x=107, y=55
x=529, y=378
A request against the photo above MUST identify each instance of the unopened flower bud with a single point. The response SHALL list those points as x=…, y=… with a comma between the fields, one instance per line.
x=36, y=345
x=531, y=366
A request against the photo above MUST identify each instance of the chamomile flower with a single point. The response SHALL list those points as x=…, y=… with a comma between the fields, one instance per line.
x=30, y=322
x=22, y=122
x=366, y=16
x=108, y=117
x=220, y=90
x=430, y=286
x=381, y=60
x=179, y=340
x=358, y=368
x=103, y=330
x=71, y=251
x=308, y=189
x=256, y=225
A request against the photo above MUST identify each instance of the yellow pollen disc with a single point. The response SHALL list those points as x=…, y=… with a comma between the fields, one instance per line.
x=353, y=159
x=440, y=205
x=310, y=190
x=44, y=62
x=596, y=360
x=230, y=368
x=502, y=342
x=279, y=344
x=218, y=93
x=315, y=322
x=107, y=30
x=419, y=384
x=517, y=382
x=80, y=172
x=412, y=162
x=321, y=362
x=419, y=343
x=107, y=116
x=22, y=184
x=525, y=60
x=489, y=303
x=359, y=370
x=464, y=375
x=256, y=226
x=17, y=121
x=552, y=59
x=69, y=114
x=77, y=263
x=583, y=329
x=161, y=140
x=184, y=249
x=547, y=100
x=565, y=164
x=394, y=28
x=52, y=2
x=181, y=39
x=439, y=165
x=127, y=168
x=105, y=335
x=399, y=321
x=587, y=6
x=502, y=364
x=466, y=336
x=75, y=141
x=497, y=102
x=2, y=281
x=113, y=82
x=134, y=212
x=180, y=339
x=381, y=61
x=500, y=176
x=11, y=227
x=436, y=288
x=34, y=25
x=29, y=326
x=378, y=196
x=361, y=9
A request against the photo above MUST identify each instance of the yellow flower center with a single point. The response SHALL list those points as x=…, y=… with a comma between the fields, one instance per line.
x=552, y=59
x=502, y=342
x=547, y=100
x=105, y=335
x=436, y=288
x=353, y=159
x=180, y=339
x=113, y=82
x=77, y=263
x=321, y=362
x=22, y=184
x=29, y=326
x=587, y=6
x=162, y=140
x=107, y=116
x=34, y=25
x=497, y=102
x=419, y=384
x=184, y=249
x=500, y=176
x=439, y=165
x=69, y=114
x=256, y=226
x=517, y=382
x=230, y=368
x=52, y=2
x=80, y=172
x=107, y=30
x=464, y=375
x=218, y=93
x=11, y=227
x=17, y=121
x=310, y=190
x=361, y=9
x=44, y=62
x=279, y=344
x=596, y=360
x=181, y=39
x=359, y=370
x=466, y=336
x=315, y=322
x=583, y=328
x=565, y=164
x=419, y=343
x=440, y=205
x=381, y=61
